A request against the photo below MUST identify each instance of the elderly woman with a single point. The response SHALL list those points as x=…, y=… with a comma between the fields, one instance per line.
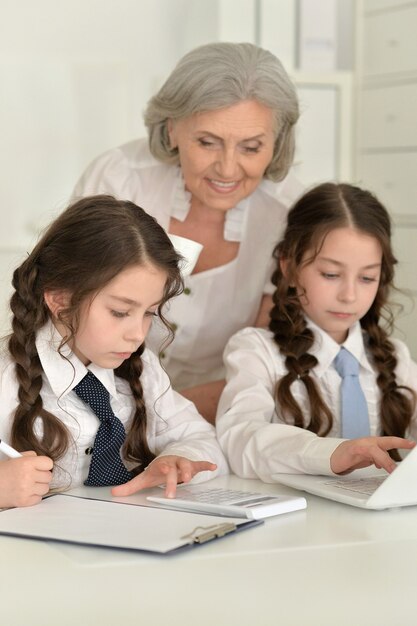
x=215, y=170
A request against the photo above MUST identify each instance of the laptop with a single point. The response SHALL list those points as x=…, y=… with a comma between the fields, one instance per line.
x=368, y=488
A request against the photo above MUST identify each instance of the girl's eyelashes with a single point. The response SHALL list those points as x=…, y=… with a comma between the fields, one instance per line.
x=119, y=314
x=331, y=275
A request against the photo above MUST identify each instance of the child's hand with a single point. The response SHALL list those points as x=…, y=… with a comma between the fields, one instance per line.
x=170, y=470
x=356, y=453
x=25, y=480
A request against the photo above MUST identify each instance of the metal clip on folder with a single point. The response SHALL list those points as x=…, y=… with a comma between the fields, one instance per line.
x=201, y=534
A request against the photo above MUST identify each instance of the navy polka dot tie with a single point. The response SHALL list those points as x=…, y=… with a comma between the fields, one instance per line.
x=106, y=467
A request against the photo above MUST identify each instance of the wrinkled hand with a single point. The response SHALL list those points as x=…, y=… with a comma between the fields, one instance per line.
x=25, y=480
x=356, y=453
x=168, y=470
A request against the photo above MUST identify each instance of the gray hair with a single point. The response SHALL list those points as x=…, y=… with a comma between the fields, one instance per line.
x=219, y=75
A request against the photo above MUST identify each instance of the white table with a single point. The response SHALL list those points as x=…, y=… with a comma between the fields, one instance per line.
x=328, y=565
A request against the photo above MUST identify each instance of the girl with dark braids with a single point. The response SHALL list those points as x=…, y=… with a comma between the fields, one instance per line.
x=281, y=408
x=83, y=303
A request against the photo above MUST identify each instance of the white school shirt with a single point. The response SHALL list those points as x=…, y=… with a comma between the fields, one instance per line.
x=173, y=424
x=220, y=301
x=256, y=440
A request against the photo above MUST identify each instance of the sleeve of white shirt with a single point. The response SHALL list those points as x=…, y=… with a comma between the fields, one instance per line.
x=255, y=446
x=107, y=174
x=174, y=424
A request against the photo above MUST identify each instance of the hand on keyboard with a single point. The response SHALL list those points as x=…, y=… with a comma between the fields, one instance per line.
x=355, y=453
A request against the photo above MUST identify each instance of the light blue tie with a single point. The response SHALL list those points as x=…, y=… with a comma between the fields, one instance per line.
x=355, y=421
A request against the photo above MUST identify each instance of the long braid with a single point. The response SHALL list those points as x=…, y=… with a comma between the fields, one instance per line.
x=294, y=339
x=136, y=447
x=28, y=317
x=397, y=402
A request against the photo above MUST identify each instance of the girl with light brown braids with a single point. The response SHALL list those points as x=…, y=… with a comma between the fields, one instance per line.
x=83, y=302
x=284, y=408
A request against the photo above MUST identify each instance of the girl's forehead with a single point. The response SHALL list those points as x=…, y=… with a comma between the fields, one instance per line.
x=137, y=270
x=349, y=246
x=133, y=280
x=344, y=244
x=346, y=236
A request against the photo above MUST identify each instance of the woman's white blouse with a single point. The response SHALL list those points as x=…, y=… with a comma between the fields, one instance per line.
x=218, y=302
x=173, y=424
x=256, y=440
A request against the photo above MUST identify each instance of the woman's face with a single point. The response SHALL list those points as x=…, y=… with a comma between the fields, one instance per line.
x=224, y=153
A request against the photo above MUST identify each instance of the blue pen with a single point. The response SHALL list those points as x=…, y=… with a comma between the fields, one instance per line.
x=8, y=450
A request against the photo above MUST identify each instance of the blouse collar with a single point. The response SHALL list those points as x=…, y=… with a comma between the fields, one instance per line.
x=325, y=348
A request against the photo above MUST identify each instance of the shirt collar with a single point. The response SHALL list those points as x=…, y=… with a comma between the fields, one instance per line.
x=325, y=348
x=235, y=218
x=63, y=369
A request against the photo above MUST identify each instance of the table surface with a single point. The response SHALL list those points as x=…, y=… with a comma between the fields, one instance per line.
x=330, y=564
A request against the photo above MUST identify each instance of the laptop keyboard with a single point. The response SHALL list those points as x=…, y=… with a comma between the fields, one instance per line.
x=366, y=486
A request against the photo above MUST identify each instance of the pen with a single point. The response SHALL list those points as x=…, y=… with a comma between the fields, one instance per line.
x=8, y=450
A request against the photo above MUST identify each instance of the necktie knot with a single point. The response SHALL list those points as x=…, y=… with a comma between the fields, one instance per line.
x=346, y=364
x=94, y=393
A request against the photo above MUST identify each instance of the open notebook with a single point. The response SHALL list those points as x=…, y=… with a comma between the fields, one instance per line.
x=368, y=488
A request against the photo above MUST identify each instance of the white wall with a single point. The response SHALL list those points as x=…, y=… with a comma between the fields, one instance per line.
x=75, y=77
x=386, y=145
